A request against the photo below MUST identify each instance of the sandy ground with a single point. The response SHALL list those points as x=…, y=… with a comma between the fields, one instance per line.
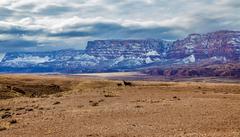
x=101, y=108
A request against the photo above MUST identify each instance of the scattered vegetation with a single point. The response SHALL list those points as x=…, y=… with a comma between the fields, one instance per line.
x=13, y=121
x=110, y=94
x=56, y=103
x=2, y=128
x=94, y=104
x=139, y=106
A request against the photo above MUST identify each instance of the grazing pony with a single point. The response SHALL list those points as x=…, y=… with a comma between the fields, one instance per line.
x=119, y=84
x=127, y=83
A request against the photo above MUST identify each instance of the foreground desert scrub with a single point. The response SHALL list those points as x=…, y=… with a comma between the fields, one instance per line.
x=77, y=106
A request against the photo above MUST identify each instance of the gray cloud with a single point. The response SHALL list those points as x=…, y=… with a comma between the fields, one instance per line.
x=48, y=23
x=54, y=10
x=18, y=31
x=16, y=45
x=5, y=13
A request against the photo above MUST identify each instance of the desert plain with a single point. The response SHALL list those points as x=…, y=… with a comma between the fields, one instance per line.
x=81, y=106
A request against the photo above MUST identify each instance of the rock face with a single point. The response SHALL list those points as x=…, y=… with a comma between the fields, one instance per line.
x=222, y=45
x=128, y=48
x=129, y=55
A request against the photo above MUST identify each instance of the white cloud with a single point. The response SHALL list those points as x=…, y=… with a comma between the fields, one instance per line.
x=86, y=19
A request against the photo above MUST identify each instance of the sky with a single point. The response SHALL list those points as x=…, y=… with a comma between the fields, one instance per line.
x=44, y=25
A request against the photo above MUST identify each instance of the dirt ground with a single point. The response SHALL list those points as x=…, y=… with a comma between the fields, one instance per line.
x=81, y=107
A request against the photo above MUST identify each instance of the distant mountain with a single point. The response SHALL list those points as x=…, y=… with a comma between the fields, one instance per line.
x=130, y=55
x=99, y=56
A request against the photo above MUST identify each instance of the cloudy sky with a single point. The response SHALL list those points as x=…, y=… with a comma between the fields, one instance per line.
x=37, y=25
